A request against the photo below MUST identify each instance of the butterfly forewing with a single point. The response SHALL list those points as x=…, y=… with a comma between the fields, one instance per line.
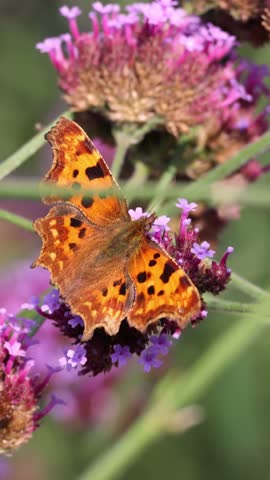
x=78, y=165
x=162, y=289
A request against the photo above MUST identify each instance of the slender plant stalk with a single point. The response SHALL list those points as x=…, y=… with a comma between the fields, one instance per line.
x=116, y=460
x=248, y=287
x=220, y=355
x=170, y=395
x=222, y=171
x=162, y=189
x=138, y=188
x=125, y=138
x=119, y=158
x=137, y=184
x=16, y=220
x=26, y=151
x=28, y=190
x=215, y=303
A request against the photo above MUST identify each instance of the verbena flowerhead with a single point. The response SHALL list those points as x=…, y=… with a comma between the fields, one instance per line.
x=246, y=19
x=155, y=62
x=87, y=403
x=103, y=351
x=243, y=10
x=151, y=61
x=21, y=388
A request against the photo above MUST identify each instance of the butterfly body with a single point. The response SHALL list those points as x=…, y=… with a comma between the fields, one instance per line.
x=127, y=236
x=104, y=264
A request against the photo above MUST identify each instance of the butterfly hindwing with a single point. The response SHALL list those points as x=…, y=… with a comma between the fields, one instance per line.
x=104, y=304
x=65, y=233
x=96, y=288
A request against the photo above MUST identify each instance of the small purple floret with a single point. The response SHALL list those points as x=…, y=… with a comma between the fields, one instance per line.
x=52, y=300
x=120, y=355
x=149, y=358
x=15, y=349
x=105, y=9
x=70, y=13
x=185, y=206
x=75, y=321
x=202, y=251
x=160, y=225
x=161, y=342
x=49, y=44
x=137, y=213
x=73, y=357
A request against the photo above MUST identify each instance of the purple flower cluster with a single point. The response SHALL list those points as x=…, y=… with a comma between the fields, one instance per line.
x=152, y=60
x=87, y=402
x=21, y=388
x=103, y=351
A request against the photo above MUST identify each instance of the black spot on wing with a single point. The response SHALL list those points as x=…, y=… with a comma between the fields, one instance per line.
x=152, y=263
x=72, y=246
x=123, y=289
x=151, y=290
x=105, y=292
x=82, y=232
x=87, y=202
x=168, y=270
x=157, y=255
x=95, y=172
x=117, y=282
x=75, y=173
x=141, y=277
x=74, y=222
x=160, y=293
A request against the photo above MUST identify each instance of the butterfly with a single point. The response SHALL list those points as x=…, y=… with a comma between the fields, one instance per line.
x=104, y=264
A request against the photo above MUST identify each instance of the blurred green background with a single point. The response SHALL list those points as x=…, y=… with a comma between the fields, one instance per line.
x=233, y=441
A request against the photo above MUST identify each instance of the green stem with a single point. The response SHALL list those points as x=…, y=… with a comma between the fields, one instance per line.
x=16, y=220
x=222, y=171
x=127, y=136
x=249, y=288
x=26, y=151
x=227, y=306
x=126, y=450
x=220, y=355
x=162, y=188
x=28, y=189
x=122, y=147
x=137, y=183
x=138, y=188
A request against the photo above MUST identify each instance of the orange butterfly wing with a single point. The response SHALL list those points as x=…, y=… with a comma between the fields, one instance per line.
x=77, y=164
x=163, y=290
x=95, y=287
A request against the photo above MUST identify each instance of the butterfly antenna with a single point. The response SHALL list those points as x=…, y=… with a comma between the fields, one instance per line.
x=153, y=207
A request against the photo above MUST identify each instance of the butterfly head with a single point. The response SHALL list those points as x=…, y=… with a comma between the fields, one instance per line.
x=145, y=223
